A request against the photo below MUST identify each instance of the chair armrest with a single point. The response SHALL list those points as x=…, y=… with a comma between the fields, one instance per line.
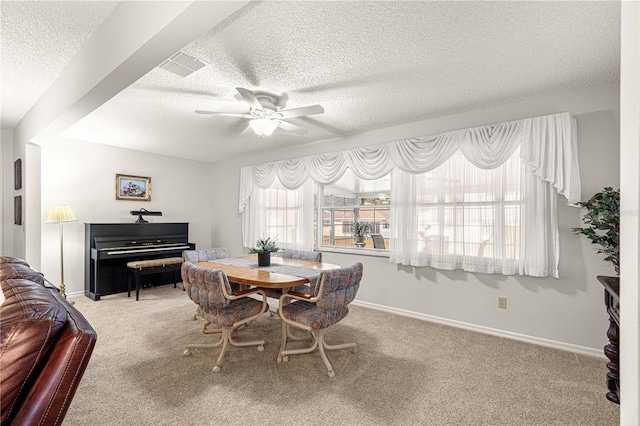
x=245, y=292
x=298, y=296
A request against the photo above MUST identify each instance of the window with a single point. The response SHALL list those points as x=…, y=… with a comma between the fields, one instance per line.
x=352, y=199
x=469, y=211
x=481, y=199
x=284, y=214
x=282, y=209
x=466, y=217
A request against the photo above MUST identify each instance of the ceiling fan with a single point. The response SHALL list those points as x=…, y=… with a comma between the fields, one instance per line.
x=265, y=116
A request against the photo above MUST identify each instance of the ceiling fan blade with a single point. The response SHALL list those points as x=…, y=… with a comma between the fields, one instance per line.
x=250, y=98
x=317, y=123
x=293, y=128
x=225, y=114
x=297, y=112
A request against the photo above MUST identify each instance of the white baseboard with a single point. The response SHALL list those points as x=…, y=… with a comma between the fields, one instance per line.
x=583, y=350
x=75, y=293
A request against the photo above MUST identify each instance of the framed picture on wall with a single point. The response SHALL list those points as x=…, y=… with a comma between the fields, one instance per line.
x=134, y=188
x=17, y=210
x=17, y=174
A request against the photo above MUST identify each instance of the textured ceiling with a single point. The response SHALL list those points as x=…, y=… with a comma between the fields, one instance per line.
x=369, y=64
x=39, y=38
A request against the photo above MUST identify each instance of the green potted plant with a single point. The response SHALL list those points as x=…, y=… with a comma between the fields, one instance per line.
x=361, y=231
x=264, y=248
x=602, y=222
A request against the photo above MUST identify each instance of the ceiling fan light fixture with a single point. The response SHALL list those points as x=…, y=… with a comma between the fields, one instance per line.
x=263, y=126
x=264, y=115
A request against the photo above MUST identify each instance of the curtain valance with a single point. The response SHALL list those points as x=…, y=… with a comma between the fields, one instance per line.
x=548, y=146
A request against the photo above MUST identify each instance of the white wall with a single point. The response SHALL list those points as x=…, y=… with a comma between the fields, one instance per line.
x=567, y=313
x=31, y=222
x=12, y=242
x=82, y=175
x=6, y=242
x=630, y=216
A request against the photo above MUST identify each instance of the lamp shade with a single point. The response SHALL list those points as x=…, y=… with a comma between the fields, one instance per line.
x=263, y=126
x=60, y=214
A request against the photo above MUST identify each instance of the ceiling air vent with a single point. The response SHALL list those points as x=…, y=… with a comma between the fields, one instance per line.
x=182, y=64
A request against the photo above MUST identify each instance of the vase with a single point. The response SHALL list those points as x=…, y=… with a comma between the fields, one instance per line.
x=264, y=259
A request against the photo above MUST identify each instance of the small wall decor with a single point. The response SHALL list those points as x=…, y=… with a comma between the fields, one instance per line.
x=135, y=188
x=17, y=174
x=17, y=210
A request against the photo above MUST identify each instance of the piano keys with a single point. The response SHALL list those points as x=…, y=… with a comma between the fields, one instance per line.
x=110, y=246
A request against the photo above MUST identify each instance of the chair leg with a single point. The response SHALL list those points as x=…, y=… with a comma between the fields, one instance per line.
x=283, y=341
x=324, y=345
x=319, y=342
x=282, y=355
x=227, y=338
x=206, y=330
x=187, y=350
x=342, y=346
x=260, y=343
x=323, y=355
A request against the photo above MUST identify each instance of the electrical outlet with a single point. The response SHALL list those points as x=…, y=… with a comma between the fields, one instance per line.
x=502, y=302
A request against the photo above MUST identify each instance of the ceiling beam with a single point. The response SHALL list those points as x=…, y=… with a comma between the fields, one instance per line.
x=133, y=40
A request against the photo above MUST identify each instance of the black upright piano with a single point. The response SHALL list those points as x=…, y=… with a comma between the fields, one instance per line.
x=110, y=246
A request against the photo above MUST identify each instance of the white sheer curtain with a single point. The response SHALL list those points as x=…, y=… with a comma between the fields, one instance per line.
x=282, y=213
x=459, y=216
x=546, y=147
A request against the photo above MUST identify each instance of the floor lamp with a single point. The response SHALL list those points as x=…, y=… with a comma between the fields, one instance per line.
x=60, y=215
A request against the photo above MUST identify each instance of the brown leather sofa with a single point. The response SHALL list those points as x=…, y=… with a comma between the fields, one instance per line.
x=45, y=345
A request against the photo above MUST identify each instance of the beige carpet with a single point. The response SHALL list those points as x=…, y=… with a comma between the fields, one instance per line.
x=406, y=372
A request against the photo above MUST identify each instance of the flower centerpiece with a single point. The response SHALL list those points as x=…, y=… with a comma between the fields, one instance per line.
x=264, y=248
x=361, y=231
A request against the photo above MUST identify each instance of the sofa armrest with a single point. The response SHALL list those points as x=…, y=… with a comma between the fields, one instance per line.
x=51, y=394
x=45, y=346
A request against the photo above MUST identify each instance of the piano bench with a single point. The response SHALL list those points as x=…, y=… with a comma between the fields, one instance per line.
x=153, y=266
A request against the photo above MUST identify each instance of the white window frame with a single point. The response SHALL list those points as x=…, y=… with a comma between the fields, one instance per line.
x=320, y=208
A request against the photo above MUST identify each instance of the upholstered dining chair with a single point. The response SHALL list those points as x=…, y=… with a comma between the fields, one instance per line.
x=318, y=312
x=194, y=256
x=219, y=305
x=192, y=292
x=312, y=256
